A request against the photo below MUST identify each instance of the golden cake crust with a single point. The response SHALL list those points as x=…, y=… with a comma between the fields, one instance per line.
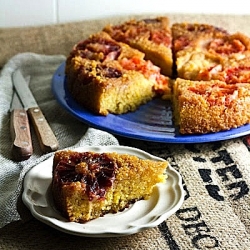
x=210, y=106
x=104, y=93
x=110, y=77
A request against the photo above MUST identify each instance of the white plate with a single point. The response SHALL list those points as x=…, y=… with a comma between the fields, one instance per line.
x=166, y=199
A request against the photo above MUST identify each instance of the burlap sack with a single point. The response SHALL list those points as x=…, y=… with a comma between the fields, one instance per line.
x=215, y=213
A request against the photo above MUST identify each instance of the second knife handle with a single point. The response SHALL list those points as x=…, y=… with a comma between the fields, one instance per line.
x=22, y=147
x=46, y=137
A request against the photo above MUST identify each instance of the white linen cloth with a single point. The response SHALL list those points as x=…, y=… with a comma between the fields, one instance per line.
x=69, y=131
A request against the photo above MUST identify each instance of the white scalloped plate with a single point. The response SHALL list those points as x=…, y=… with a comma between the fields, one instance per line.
x=166, y=199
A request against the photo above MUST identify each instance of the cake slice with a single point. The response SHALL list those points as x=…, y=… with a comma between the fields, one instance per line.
x=233, y=59
x=151, y=36
x=206, y=52
x=190, y=43
x=87, y=185
x=106, y=76
x=210, y=106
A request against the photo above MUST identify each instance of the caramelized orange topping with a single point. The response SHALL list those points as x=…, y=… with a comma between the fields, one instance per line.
x=96, y=171
x=97, y=48
x=132, y=30
x=226, y=47
x=237, y=75
x=147, y=68
x=181, y=43
x=216, y=94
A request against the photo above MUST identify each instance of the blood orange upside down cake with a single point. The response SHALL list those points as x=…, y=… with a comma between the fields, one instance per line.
x=203, y=69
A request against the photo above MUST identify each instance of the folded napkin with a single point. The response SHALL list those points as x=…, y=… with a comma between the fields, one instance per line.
x=69, y=131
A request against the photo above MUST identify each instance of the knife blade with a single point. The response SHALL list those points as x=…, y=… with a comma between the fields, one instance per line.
x=21, y=148
x=45, y=135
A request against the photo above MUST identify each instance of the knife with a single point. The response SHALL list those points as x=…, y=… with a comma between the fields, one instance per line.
x=21, y=148
x=45, y=135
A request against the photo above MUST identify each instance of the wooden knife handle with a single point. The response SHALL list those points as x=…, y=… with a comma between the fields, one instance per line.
x=46, y=137
x=20, y=132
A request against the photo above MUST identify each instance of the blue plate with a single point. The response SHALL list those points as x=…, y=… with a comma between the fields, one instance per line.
x=151, y=122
